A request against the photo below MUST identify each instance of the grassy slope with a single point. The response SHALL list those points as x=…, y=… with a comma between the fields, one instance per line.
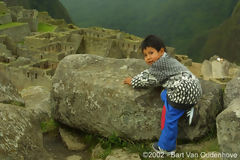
x=53, y=7
x=9, y=25
x=42, y=27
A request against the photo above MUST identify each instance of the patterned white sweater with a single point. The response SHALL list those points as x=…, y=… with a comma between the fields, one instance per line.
x=183, y=88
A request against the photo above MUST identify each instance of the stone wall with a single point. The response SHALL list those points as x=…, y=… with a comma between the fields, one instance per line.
x=98, y=46
x=17, y=33
x=44, y=17
x=5, y=18
x=25, y=76
x=215, y=69
x=44, y=39
x=10, y=44
x=19, y=14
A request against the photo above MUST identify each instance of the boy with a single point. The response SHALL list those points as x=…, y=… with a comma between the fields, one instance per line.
x=182, y=89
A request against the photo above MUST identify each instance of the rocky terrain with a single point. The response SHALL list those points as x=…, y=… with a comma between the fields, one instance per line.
x=62, y=95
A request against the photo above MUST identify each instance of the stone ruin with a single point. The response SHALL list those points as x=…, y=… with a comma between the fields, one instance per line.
x=33, y=56
x=30, y=58
x=17, y=22
x=218, y=69
x=5, y=16
x=19, y=14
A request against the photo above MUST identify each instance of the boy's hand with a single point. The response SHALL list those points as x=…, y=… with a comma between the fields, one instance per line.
x=127, y=80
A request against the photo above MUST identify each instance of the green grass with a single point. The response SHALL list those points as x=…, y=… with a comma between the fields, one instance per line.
x=10, y=25
x=49, y=125
x=207, y=144
x=2, y=13
x=21, y=42
x=43, y=27
x=16, y=103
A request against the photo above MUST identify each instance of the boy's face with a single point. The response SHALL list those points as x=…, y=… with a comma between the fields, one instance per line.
x=151, y=55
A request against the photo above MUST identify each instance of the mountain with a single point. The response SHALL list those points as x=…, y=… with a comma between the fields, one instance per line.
x=223, y=40
x=177, y=22
x=53, y=7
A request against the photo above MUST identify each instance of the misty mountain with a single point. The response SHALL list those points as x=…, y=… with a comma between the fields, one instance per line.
x=53, y=7
x=177, y=22
x=223, y=40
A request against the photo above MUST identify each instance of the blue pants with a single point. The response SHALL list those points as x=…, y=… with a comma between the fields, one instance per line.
x=167, y=140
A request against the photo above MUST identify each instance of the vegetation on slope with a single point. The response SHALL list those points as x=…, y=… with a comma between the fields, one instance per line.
x=222, y=41
x=9, y=25
x=177, y=22
x=42, y=27
x=53, y=7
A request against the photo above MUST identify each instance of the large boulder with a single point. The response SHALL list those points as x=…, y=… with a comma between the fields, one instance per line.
x=228, y=129
x=8, y=92
x=232, y=91
x=88, y=94
x=20, y=134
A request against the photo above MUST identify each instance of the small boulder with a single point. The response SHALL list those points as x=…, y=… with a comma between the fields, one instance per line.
x=97, y=152
x=74, y=157
x=228, y=129
x=37, y=101
x=232, y=91
x=20, y=134
x=72, y=140
x=120, y=154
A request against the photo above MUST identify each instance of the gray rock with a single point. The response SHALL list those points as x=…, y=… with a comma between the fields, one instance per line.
x=220, y=69
x=72, y=140
x=97, y=151
x=214, y=69
x=232, y=91
x=88, y=94
x=74, y=157
x=206, y=69
x=238, y=73
x=37, y=101
x=228, y=129
x=20, y=134
x=8, y=92
x=120, y=154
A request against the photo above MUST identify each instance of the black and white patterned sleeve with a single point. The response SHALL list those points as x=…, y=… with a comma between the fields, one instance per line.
x=144, y=80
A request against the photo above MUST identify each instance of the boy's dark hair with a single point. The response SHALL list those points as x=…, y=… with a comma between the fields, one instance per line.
x=154, y=42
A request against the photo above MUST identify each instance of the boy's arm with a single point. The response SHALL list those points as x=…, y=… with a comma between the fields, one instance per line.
x=144, y=80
